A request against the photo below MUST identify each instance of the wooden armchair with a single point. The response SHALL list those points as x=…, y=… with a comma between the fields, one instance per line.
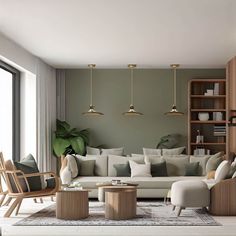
x=223, y=198
x=18, y=186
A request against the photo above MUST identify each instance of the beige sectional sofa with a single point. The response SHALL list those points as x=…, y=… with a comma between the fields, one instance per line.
x=148, y=187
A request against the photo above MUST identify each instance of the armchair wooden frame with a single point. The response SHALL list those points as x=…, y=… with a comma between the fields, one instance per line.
x=14, y=185
x=223, y=198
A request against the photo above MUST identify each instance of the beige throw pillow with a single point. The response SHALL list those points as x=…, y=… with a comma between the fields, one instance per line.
x=222, y=171
x=140, y=170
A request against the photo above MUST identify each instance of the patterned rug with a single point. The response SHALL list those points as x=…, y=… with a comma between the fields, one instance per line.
x=148, y=214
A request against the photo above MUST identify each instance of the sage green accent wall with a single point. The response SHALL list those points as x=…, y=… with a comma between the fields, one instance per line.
x=153, y=95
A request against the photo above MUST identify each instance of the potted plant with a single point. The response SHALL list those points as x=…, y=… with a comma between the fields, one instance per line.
x=69, y=140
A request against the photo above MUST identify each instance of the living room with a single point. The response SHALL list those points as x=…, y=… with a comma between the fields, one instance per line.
x=117, y=116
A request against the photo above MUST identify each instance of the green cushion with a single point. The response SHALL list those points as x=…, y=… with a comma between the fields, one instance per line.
x=87, y=168
x=51, y=183
x=122, y=170
x=159, y=169
x=213, y=162
x=191, y=169
x=28, y=166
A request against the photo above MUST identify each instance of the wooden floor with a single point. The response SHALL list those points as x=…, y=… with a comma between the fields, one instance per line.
x=228, y=227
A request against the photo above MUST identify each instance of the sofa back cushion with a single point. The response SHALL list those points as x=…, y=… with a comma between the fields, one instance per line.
x=172, y=151
x=153, y=159
x=202, y=163
x=152, y=151
x=113, y=151
x=113, y=159
x=93, y=151
x=213, y=162
x=176, y=165
x=100, y=168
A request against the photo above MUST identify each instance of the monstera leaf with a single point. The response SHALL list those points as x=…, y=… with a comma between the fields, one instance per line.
x=69, y=140
x=169, y=141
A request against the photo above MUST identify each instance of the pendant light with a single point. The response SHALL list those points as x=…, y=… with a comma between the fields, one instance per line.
x=174, y=111
x=131, y=111
x=92, y=111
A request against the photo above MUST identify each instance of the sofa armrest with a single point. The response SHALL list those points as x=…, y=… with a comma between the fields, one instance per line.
x=223, y=195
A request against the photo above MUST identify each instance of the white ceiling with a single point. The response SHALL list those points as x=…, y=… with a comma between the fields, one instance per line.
x=113, y=33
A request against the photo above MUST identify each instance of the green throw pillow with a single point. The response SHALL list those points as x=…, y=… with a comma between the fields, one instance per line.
x=191, y=169
x=87, y=168
x=28, y=166
x=159, y=169
x=122, y=170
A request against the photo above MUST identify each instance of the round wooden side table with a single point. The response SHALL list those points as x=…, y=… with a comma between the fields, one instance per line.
x=120, y=202
x=72, y=205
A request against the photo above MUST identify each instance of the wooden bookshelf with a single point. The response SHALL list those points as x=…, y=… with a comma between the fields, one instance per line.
x=207, y=96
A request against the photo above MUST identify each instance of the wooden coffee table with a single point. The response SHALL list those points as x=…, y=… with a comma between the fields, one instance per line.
x=72, y=205
x=120, y=202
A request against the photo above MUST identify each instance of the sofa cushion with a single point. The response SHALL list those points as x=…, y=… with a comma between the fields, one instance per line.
x=93, y=151
x=152, y=151
x=213, y=162
x=90, y=182
x=86, y=167
x=159, y=169
x=231, y=170
x=191, y=169
x=176, y=165
x=112, y=159
x=100, y=168
x=234, y=175
x=122, y=170
x=28, y=165
x=140, y=170
x=153, y=159
x=113, y=151
x=202, y=163
x=172, y=151
x=222, y=171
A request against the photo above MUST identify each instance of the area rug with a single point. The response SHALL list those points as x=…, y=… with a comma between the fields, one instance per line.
x=148, y=214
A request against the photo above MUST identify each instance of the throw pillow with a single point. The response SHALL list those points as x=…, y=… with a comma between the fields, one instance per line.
x=159, y=169
x=87, y=168
x=93, y=151
x=172, y=151
x=151, y=151
x=213, y=162
x=140, y=170
x=202, y=163
x=100, y=168
x=222, y=171
x=234, y=175
x=211, y=174
x=232, y=170
x=191, y=169
x=122, y=170
x=137, y=155
x=28, y=165
x=51, y=183
x=113, y=151
x=176, y=165
x=112, y=159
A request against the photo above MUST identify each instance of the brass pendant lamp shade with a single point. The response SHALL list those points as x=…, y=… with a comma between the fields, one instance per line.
x=92, y=111
x=131, y=111
x=174, y=111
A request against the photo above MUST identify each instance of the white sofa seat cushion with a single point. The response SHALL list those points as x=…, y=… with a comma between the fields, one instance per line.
x=222, y=171
x=90, y=182
x=100, y=163
x=140, y=170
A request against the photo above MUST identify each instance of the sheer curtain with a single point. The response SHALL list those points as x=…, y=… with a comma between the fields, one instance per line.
x=46, y=115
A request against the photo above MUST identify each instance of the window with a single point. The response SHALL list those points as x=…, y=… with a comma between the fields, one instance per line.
x=9, y=112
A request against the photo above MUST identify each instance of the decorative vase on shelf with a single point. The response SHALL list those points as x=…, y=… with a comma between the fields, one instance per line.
x=203, y=116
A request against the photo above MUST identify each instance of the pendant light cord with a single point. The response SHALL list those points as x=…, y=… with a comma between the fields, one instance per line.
x=174, y=86
x=91, y=86
x=132, y=86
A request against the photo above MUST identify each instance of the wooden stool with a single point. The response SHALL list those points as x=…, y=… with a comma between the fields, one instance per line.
x=72, y=205
x=120, y=203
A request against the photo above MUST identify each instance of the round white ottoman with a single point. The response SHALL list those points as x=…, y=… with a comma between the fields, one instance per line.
x=189, y=193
